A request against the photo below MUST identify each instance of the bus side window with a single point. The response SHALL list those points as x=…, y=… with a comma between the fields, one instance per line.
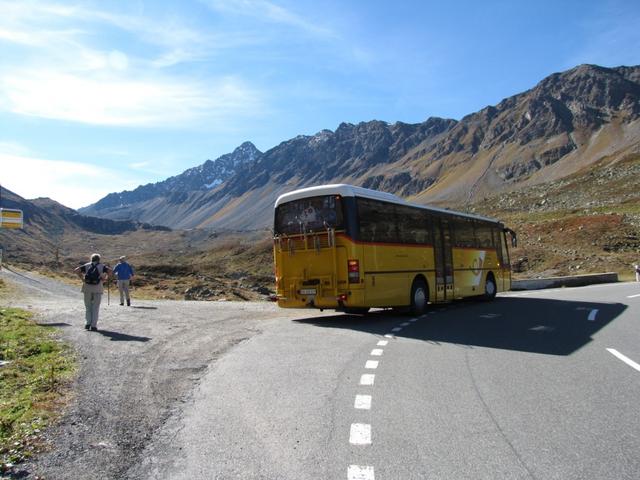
x=428, y=222
x=464, y=234
x=367, y=227
x=412, y=228
x=483, y=235
x=377, y=221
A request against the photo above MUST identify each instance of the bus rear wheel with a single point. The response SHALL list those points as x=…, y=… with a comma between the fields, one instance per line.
x=419, y=297
x=490, y=288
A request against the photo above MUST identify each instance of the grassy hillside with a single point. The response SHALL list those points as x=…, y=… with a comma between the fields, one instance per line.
x=34, y=376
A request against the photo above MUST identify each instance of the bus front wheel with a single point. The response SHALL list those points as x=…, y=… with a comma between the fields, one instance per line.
x=490, y=288
x=419, y=297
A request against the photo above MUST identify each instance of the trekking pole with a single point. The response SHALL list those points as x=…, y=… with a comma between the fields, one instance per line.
x=108, y=289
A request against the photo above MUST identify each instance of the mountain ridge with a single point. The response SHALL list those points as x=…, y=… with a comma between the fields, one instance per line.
x=203, y=177
x=566, y=122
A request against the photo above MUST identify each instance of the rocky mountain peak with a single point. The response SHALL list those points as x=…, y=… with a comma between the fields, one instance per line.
x=203, y=177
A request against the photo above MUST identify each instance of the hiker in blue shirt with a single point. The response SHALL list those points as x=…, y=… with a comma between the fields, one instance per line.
x=124, y=273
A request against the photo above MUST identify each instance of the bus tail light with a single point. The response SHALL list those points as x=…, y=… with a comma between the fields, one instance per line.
x=342, y=297
x=353, y=268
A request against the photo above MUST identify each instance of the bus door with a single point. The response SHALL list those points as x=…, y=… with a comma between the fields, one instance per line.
x=443, y=260
x=503, y=258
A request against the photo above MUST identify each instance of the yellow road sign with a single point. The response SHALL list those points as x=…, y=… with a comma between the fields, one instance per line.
x=11, y=218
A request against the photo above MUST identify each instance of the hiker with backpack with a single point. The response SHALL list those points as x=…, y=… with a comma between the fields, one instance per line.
x=93, y=275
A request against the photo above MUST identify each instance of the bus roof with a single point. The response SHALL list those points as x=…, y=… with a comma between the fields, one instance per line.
x=345, y=190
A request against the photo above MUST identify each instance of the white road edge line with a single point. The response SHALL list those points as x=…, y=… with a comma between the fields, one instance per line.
x=634, y=296
x=377, y=352
x=360, y=434
x=592, y=314
x=359, y=472
x=626, y=360
x=367, y=379
x=362, y=402
x=371, y=364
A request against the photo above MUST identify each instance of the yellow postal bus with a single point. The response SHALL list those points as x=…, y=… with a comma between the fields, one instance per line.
x=350, y=248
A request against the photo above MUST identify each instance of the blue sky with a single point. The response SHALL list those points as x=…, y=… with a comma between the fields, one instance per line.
x=97, y=97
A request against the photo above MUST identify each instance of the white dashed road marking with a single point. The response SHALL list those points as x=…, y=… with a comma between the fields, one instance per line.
x=363, y=402
x=634, y=296
x=625, y=359
x=542, y=328
x=367, y=379
x=592, y=315
x=358, y=472
x=360, y=434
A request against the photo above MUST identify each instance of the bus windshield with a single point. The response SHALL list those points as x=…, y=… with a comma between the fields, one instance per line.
x=313, y=214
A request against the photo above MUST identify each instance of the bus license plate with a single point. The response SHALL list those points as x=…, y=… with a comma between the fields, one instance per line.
x=308, y=291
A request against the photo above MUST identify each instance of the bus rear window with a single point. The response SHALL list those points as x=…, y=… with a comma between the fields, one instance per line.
x=313, y=214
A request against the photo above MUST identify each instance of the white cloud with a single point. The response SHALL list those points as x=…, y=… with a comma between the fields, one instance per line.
x=141, y=165
x=73, y=184
x=118, y=60
x=105, y=99
x=270, y=12
x=13, y=148
x=22, y=23
x=60, y=75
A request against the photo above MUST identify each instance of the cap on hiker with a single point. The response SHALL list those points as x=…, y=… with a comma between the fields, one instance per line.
x=123, y=257
x=95, y=257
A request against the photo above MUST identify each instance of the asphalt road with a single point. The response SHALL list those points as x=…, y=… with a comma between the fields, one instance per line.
x=520, y=388
x=534, y=385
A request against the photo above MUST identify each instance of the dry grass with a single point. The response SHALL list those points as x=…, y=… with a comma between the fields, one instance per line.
x=589, y=222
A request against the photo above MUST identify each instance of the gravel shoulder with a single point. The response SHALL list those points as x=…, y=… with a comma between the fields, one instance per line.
x=135, y=372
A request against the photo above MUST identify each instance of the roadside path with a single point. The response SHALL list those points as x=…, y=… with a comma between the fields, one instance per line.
x=135, y=372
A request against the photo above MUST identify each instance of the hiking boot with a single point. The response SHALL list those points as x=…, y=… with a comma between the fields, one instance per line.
x=94, y=329
x=121, y=304
x=87, y=327
x=128, y=303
